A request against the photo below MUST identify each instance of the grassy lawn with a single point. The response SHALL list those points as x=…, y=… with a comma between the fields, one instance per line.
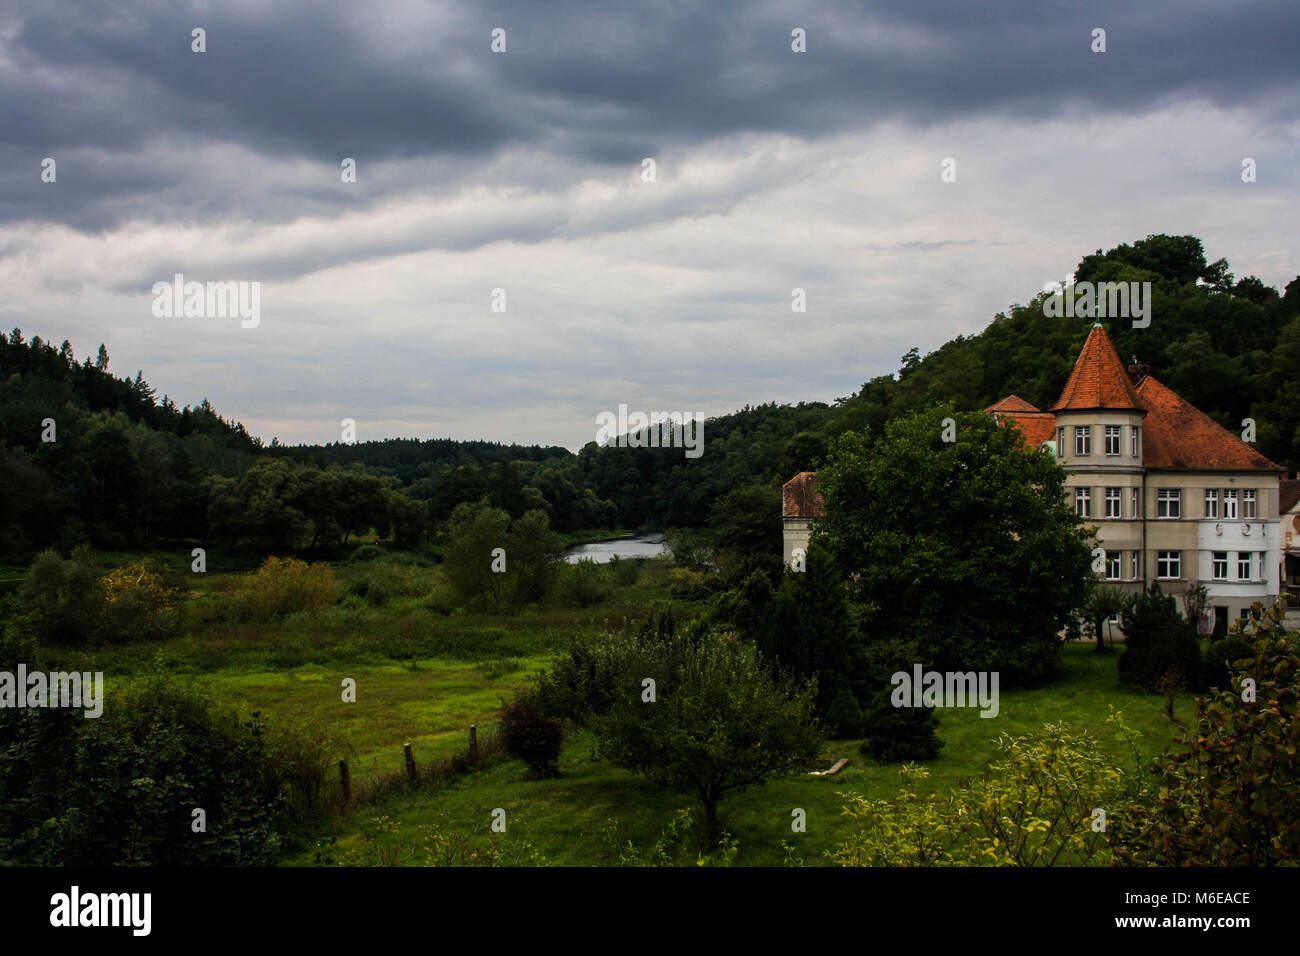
x=567, y=820
x=424, y=675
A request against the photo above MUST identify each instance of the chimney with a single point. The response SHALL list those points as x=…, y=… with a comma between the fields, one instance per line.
x=1138, y=372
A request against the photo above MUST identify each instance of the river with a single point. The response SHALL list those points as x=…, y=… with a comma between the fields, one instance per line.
x=640, y=546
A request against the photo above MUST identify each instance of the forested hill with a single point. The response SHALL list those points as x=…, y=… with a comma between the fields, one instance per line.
x=1230, y=347
x=127, y=470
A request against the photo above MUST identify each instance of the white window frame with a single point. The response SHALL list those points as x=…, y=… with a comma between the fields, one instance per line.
x=1135, y=441
x=1250, y=504
x=1060, y=442
x=1114, y=565
x=1137, y=502
x=1170, y=502
x=1082, y=441
x=1211, y=502
x=1116, y=433
x=1219, y=565
x=1171, y=561
x=1116, y=499
x=1230, y=509
x=1246, y=558
x=1133, y=565
x=1083, y=502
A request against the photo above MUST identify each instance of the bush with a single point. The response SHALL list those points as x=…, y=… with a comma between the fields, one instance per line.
x=1219, y=657
x=120, y=790
x=583, y=584
x=62, y=601
x=1158, y=642
x=1231, y=796
x=367, y=553
x=1032, y=807
x=286, y=585
x=380, y=583
x=892, y=733
x=844, y=715
x=532, y=736
x=138, y=604
x=622, y=571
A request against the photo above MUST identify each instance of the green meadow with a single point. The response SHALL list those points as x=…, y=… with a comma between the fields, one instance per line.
x=424, y=675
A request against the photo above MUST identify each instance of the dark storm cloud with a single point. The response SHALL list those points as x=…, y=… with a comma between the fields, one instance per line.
x=114, y=93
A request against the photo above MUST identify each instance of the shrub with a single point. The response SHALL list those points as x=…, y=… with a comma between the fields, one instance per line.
x=138, y=603
x=120, y=789
x=1032, y=807
x=844, y=715
x=583, y=584
x=1219, y=657
x=367, y=553
x=1231, y=795
x=286, y=585
x=532, y=736
x=62, y=601
x=894, y=733
x=622, y=571
x=1158, y=641
x=380, y=583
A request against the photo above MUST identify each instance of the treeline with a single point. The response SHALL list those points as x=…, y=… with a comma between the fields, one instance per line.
x=661, y=487
x=127, y=470
x=88, y=457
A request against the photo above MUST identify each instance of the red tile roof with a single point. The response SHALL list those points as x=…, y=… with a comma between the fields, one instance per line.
x=1099, y=379
x=1037, y=427
x=1177, y=436
x=1012, y=404
x=800, y=499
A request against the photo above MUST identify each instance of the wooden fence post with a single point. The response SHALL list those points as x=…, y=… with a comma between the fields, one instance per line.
x=345, y=778
x=410, y=761
x=473, y=743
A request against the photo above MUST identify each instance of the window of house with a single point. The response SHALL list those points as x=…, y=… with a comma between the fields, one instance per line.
x=1169, y=564
x=1112, y=439
x=1230, y=505
x=1220, y=565
x=1060, y=442
x=1083, y=502
x=1112, y=565
x=1243, y=565
x=1113, y=619
x=1082, y=440
x=1133, y=565
x=1135, y=441
x=1211, y=503
x=1169, y=503
x=1250, y=504
x=1114, y=503
x=1137, y=503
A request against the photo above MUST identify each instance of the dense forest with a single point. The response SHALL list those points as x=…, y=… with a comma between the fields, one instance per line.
x=88, y=456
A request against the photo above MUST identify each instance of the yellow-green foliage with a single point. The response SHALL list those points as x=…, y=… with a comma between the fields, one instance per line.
x=1035, y=806
x=286, y=585
x=138, y=603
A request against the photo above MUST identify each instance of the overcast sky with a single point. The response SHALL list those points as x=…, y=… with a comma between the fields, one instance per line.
x=522, y=171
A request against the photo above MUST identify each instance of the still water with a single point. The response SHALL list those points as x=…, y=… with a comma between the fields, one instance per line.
x=641, y=546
